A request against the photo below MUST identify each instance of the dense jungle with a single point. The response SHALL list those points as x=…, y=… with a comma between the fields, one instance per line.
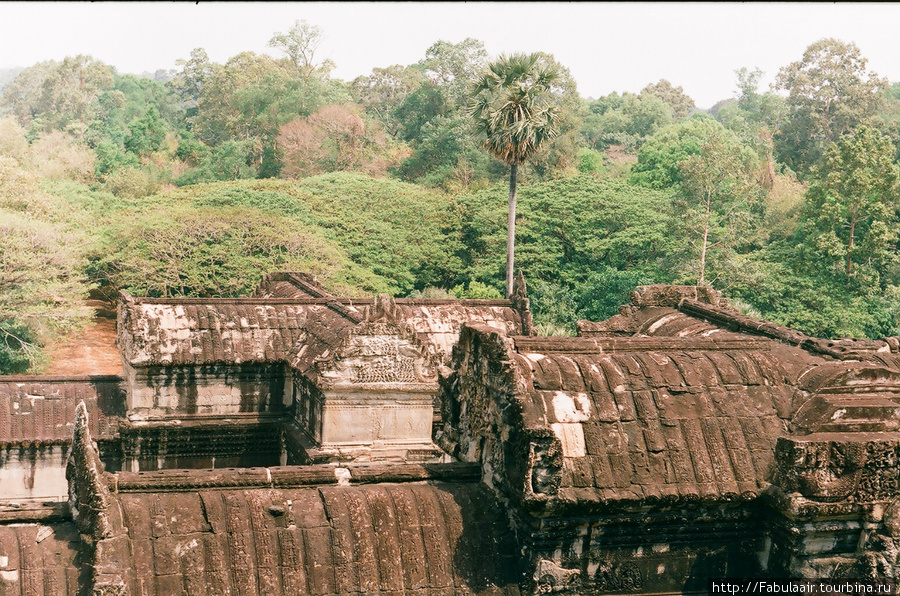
x=197, y=181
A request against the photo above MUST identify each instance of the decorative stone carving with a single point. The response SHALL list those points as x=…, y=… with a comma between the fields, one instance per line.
x=545, y=466
x=622, y=577
x=522, y=304
x=834, y=469
x=381, y=349
x=551, y=578
x=88, y=494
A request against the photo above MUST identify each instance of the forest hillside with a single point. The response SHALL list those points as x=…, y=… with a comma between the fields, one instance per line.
x=200, y=180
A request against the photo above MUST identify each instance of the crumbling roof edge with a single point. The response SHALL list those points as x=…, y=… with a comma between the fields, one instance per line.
x=253, y=300
x=61, y=378
x=292, y=476
x=731, y=319
x=602, y=345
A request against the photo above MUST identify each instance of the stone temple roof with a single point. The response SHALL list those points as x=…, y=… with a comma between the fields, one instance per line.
x=677, y=398
x=190, y=331
x=417, y=539
x=656, y=419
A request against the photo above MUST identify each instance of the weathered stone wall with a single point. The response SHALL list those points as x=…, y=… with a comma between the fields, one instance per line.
x=307, y=406
x=37, y=417
x=197, y=445
x=32, y=473
x=482, y=417
x=210, y=390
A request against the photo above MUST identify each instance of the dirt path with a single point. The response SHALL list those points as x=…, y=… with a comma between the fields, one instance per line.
x=91, y=350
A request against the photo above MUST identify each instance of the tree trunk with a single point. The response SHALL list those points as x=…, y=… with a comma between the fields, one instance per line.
x=850, y=249
x=511, y=229
x=705, y=242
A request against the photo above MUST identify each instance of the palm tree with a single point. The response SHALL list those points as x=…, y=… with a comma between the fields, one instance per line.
x=516, y=107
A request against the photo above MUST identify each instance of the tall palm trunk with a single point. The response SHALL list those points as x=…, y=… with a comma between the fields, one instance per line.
x=511, y=229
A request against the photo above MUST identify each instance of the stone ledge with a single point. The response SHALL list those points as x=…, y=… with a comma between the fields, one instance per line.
x=291, y=476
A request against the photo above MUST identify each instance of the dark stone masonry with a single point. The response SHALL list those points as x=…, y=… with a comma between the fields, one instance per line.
x=294, y=442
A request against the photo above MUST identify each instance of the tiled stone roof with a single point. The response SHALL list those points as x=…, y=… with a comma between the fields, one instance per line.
x=241, y=330
x=417, y=539
x=656, y=419
x=36, y=410
x=40, y=559
x=185, y=331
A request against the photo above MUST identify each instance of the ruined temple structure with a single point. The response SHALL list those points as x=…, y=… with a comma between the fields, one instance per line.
x=294, y=442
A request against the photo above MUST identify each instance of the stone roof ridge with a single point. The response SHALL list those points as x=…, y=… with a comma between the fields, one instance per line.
x=345, y=311
x=672, y=295
x=59, y=378
x=304, y=282
x=309, y=285
x=280, y=477
x=614, y=344
x=733, y=320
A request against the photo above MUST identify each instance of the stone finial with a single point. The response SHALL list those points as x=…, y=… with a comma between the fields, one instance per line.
x=88, y=494
x=384, y=308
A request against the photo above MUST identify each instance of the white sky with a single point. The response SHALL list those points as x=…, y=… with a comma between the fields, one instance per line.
x=607, y=46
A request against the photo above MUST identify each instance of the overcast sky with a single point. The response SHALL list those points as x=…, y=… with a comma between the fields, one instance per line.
x=607, y=46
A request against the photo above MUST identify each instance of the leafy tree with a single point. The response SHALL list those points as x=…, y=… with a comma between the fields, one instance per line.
x=583, y=243
x=183, y=250
x=59, y=155
x=516, y=109
x=251, y=97
x=70, y=92
x=145, y=134
x=421, y=107
x=12, y=139
x=58, y=95
x=755, y=118
x=383, y=92
x=851, y=204
x=22, y=97
x=364, y=234
x=560, y=156
x=718, y=192
x=447, y=155
x=829, y=94
x=300, y=44
x=229, y=160
x=453, y=67
x=660, y=155
x=777, y=281
x=625, y=120
x=888, y=118
x=335, y=138
x=41, y=280
x=675, y=97
x=188, y=84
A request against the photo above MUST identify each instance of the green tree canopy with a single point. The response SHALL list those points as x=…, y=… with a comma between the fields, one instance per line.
x=625, y=120
x=829, y=94
x=660, y=155
x=851, y=206
x=718, y=196
x=41, y=270
x=675, y=97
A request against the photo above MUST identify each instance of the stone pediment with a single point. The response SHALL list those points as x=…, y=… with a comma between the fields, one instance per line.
x=383, y=350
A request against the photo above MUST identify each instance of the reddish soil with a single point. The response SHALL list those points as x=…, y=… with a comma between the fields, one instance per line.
x=91, y=350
